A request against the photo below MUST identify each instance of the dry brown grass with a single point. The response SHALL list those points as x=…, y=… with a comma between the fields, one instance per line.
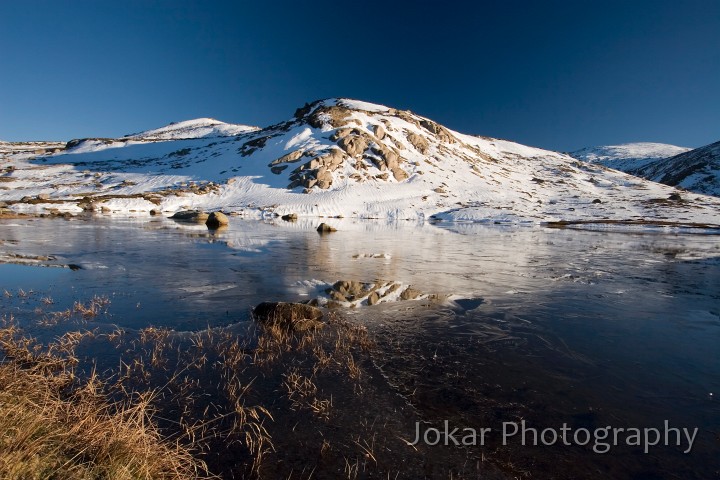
x=56, y=426
x=169, y=401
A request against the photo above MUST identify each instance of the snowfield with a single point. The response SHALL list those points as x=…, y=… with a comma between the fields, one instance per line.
x=335, y=157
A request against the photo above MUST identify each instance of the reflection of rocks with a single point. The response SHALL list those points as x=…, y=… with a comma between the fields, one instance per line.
x=350, y=293
x=297, y=317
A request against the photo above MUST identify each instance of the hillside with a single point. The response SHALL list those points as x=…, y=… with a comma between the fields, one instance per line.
x=198, y=128
x=697, y=170
x=628, y=157
x=339, y=157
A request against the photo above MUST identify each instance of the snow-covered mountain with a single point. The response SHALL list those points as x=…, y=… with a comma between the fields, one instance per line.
x=198, y=128
x=341, y=157
x=628, y=157
x=697, y=170
x=187, y=130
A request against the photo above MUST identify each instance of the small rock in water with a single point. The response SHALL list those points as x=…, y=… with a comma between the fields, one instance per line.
x=216, y=220
x=325, y=228
x=196, y=216
x=290, y=217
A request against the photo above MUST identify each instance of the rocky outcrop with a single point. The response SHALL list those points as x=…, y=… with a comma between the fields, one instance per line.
x=353, y=293
x=354, y=145
x=294, y=317
x=442, y=133
x=289, y=158
x=379, y=132
x=331, y=115
x=417, y=141
x=318, y=171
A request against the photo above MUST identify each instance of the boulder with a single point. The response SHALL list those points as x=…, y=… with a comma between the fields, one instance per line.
x=399, y=174
x=290, y=217
x=295, y=317
x=342, y=133
x=334, y=158
x=410, y=294
x=325, y=228
x=217, y=220
x=43, y=196
x=195, y=216
x=353, y=144
x=373, y=298
x=289, y=158
x=324, y=178
x=379, y=132
x=350, y=288
x=417, y=141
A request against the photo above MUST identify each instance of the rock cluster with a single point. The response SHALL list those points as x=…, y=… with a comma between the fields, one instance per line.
x=353, y=143
x=355, y=293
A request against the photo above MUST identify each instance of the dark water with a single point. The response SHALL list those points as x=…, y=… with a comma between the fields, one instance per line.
x=554, y=327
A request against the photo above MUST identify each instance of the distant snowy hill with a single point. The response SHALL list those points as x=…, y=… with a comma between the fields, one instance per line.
x=697, y=170
x=198, y=128
x=187, y=130
x=339, y=157
x=694, y=170
x=628, y=157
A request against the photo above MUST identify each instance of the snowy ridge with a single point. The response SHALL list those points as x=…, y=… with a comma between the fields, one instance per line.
x=341, y=157
x=628, y=157
x=197, y=128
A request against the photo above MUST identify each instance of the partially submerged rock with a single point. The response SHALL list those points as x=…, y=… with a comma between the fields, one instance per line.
x=194, y=216
x=325, y=228
x=290, y=217
x=216, y=220
x=296, y=317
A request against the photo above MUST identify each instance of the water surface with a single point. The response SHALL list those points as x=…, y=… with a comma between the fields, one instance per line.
x=588, y=328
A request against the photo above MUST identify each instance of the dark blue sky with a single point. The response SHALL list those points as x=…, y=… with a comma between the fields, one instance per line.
x=555, y=74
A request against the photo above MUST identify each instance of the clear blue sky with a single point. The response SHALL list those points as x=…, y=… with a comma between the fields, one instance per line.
x=555, y=74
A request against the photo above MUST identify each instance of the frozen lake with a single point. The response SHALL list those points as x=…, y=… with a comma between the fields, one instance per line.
x=588, y=328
